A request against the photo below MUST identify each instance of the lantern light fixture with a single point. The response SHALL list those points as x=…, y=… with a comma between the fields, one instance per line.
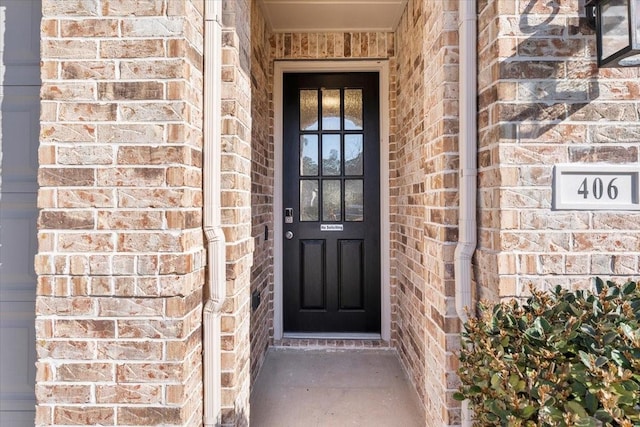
x=617, y=25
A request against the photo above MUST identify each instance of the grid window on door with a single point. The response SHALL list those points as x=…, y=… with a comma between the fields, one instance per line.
x=332, y=151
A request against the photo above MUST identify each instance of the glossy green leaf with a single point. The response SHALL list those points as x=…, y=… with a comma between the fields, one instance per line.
x=576, y=408
x=597, y=307
x=459, y=396
x=585, y=422
x=612, y=292
x=609, y=337
x=495, y=380
x=628, y=288
x=601, y=361
x=553, y=412
x=603, y=416
x=474, y=389
x=533, y=334
x=627, y=399
x=513, y=380
x=541, y=324
x=599, y=285
x=584, y=357
x=578, y=388
x=590, y=403
x=528, y=411
x=588, y=329
x=631, y=386
x=620, y=359
x=628, y=331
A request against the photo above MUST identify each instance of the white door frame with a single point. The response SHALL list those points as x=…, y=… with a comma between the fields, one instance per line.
x=381, y=67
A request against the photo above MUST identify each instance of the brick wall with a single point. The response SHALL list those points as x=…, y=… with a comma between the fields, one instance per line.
x=356, y=45
x=407, y=189
x=489, y=91
x=542, y=102
x=424, y=200
x=236, y=210
x=262, y=170
x=120, y=261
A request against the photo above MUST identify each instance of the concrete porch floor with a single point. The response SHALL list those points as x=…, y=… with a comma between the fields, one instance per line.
x=299, y=387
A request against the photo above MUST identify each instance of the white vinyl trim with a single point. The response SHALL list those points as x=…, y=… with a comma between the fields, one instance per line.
x=382, y=67
x=468, y=143
x=216, y=273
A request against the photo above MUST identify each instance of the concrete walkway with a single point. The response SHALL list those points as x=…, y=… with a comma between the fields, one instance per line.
x=298, y=387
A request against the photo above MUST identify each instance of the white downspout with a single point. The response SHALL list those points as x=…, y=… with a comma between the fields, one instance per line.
x=468, y=147
x=215, y=280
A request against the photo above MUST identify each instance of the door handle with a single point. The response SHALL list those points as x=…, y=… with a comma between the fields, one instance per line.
x=288, y=235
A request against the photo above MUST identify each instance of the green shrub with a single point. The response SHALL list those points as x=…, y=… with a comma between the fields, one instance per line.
x=565, y=358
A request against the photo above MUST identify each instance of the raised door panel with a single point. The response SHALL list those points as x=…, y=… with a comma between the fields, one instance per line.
x=312, y=283
x=351, y=278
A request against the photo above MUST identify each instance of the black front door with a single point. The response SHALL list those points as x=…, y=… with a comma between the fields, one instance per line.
x=331, y=197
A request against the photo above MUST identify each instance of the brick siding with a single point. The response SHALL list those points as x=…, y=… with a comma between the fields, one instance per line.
x=262, y=189
x=348, y=45
x=236, y=210
x=121, y=260
x=424, y=201
x=543, y=101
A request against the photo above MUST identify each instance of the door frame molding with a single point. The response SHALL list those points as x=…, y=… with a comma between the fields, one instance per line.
x=344, y=66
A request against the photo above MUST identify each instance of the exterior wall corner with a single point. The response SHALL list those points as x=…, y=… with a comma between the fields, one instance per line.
x=121, y=257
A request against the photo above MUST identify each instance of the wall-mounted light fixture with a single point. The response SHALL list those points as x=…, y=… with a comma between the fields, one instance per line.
x=617, y=25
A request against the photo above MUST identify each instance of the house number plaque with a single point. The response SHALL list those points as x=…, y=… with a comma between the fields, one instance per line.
x=596, y=187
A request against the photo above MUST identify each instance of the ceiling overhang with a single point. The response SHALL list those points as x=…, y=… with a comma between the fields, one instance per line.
x=332, y=15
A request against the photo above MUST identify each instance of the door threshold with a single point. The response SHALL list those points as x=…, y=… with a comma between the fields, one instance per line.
x=332, y=336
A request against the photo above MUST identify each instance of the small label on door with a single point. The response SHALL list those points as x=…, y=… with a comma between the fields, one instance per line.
x=331, y=227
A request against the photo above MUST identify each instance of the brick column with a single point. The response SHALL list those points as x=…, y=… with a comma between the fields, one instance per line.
x=121, y=258
x=236, y=210
x=262, y=190
x=489, y=91
x=424, y=202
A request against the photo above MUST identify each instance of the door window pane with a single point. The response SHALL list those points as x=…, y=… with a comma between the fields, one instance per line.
x=331, y=109
x=331, y=198
x=308, y=110
x=353, y=153
x=353, y=200
x=309, y=200
x=331, y=155
x=309, y=155
x=353, y=109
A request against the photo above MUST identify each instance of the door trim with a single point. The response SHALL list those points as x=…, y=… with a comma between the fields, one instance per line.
x=381, y=67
